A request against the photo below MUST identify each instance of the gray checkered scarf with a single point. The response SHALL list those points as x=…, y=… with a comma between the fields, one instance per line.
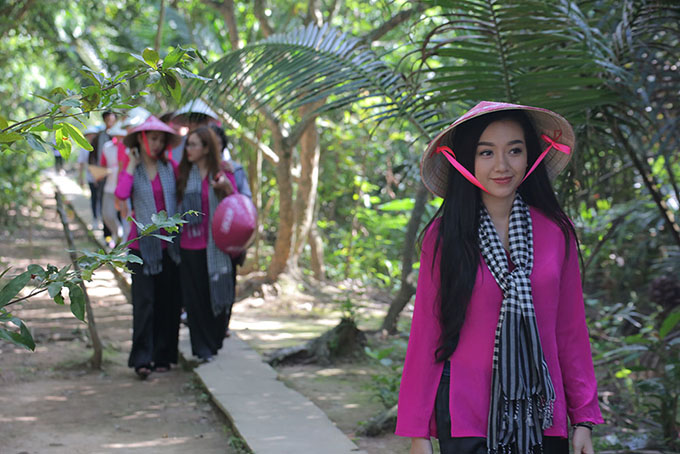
x=144, y=204
x=522, y=393
x=219, y=264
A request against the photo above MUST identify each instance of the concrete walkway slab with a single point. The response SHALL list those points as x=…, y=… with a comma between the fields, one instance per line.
x=270, y=417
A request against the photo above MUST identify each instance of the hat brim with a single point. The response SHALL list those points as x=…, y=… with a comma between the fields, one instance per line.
x=434, y=168
x=130, y=140
x=195, y=107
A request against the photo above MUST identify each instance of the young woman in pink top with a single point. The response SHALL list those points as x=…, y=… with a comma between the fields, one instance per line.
x=149, y=181
x=499, y=357
x=207, y=274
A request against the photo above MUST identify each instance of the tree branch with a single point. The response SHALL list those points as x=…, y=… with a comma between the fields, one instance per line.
x=299, y=129
x=234, y=124
x=19, y=17
x=648, y=179
x=226, y=8
x=259, y=9
x=332, y=10
x=30, y=295
x=313, y=13
x=159, y=30
x=396, y=20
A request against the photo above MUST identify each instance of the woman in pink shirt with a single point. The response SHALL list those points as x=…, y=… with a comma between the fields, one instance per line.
x=149, y=181
x=207, y=274
x=499, y=357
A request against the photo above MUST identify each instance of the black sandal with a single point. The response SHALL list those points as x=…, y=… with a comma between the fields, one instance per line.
x=143, y=372
x=161, y=368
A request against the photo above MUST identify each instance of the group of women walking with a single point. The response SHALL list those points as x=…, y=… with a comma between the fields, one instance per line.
x=189, y=271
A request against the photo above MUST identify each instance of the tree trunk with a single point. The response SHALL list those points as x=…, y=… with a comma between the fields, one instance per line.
x=96, y=359
x=316, y=246
x=159, y=30
x=286, y=216
x=342, y=342
x=255, y=175
x=407, y=289
x=305, y=200
x=383, y=423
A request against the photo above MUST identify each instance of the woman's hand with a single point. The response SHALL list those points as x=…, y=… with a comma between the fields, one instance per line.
x=226, y=166
x=582, y=441
x=134, y=161
x=121, y=207
x=222, y=183
x=421, y=446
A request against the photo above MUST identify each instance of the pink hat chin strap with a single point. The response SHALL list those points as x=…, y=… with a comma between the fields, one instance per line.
x=146, y=144
x=451, y=157
x=148, y=149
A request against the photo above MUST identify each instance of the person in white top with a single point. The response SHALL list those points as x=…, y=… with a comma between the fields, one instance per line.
x=113, y=150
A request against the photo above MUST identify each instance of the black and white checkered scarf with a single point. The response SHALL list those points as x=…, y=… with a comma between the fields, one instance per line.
x=144, y=204
x=220, y=268
x=522, y=393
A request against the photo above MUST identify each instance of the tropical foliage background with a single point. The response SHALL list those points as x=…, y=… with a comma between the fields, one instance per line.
x=329, y=104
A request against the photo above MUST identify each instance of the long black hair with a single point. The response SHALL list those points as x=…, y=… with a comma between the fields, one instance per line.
x=456, y=246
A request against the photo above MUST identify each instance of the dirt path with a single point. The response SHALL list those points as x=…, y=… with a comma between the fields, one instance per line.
x=52, y=402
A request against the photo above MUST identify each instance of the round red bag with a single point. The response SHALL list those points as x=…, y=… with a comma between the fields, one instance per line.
x=234, y=223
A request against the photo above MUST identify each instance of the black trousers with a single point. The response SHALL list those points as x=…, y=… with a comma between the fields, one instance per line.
x=476, y=445
x=206, y=330
x=234, y=262
x=155, y=315
x=96, y=194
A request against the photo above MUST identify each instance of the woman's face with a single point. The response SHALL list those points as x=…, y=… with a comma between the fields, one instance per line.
x=501, y=159
x=195, y=149
x=156, y=140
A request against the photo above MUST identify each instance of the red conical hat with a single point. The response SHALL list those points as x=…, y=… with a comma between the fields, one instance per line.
x=153, y=124
x=551, y=128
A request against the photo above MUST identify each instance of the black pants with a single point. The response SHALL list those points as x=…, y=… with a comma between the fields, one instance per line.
x=96, y=193
x=476, y=445
x=206, y=330
x=155, y=315
x=234, y=262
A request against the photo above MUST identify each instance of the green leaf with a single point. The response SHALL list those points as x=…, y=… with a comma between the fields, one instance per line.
x=13, y=287
x=174, y=86
x=398, y=205
x=58, y=91
x=76, y=135
x=59, y=299
x=189, y=75
x=23, y=338
x=35, y=269
x=54, y=288
x=173, y=57
x=93, y=76
x=669, y=323
x=132, y=258
x=77, y=297
x=10, y=137
x=70, y=102
x=45, y=99
x=35, y=142
x=151, y=57
x=3, y=122
x=63, y=143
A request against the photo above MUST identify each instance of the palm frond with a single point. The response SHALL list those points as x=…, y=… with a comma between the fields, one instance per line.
x=306, y=65
x=528, y=52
